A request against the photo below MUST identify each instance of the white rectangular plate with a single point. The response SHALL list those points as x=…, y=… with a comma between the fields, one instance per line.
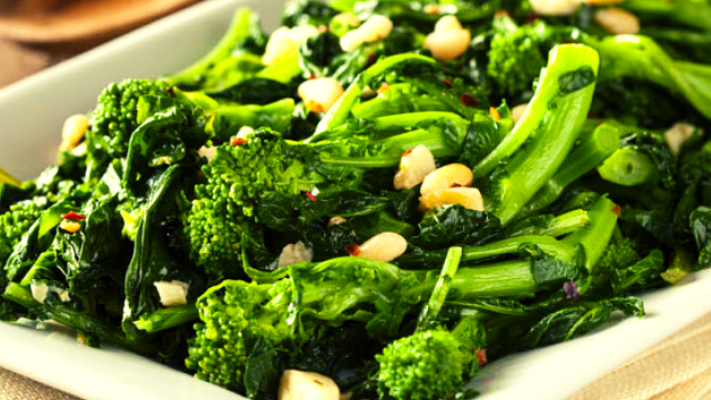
x=31, y=116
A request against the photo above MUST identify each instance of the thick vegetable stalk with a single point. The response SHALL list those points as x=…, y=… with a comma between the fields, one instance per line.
x=594, y=149
x=553, y=121
x=637, y=56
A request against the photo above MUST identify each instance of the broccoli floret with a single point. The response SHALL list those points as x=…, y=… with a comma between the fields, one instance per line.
x=215, y=228
x=14, y=224
x=619, y=254
x=427, y=365
x=516, y=55
x=116, y=114
x=236, y=317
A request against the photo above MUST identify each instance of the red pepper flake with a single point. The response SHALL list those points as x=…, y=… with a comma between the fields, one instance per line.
x=384, y=88
x=372, y=58
x=238, y=141
x=502, y=13
x=468, y=100
x=353, y=249
x=600, y=122
x=310, y=196
x=617, y=210
x=481, y=357
x=407, y=153
x=312, y=76
x=447, y=83
x=72, y=216
x=494, y=113
x=532, y=17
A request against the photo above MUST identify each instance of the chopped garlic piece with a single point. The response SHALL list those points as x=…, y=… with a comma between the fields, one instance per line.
x=294, y=254
x=677, y=135
x=41, y=290
x=300, y=385
x=173, y=293
x=285, y=42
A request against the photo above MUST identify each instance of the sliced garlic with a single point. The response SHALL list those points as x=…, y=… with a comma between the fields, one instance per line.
x=554, y=7
x=617, y=21
x=414, y=167
x=385, y=246
x=449, y=40
x=301, y=385
x=320, y=94
x=446, y=177
x=375, y=28
x=73, y=131
x=294, y=254
x=677, y=135
x=173, y=293
x=467, y=197
x=284, y=42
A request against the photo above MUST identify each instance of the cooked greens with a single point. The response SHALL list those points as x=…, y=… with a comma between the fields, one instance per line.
x=388, y=193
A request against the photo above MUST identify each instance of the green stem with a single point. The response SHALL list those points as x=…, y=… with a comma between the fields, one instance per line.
x=564, y=115
x=338, y=113
x=695, y=14
x=283, y=71
x=167, y=318
x=603, y=220
x=562, y=60
x=629, y=167
x=439, y=294
x=559, y=226
x=237, y=31
x=74, y=319
x=592, y=151
x=509, y=278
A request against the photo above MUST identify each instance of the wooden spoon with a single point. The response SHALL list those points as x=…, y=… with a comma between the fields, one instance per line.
x=64, y=21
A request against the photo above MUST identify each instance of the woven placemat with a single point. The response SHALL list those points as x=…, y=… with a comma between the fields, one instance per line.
x=678, y=368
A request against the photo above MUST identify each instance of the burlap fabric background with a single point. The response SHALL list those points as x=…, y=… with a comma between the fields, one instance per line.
x=679, y=368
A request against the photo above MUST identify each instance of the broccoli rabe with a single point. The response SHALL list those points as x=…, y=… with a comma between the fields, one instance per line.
x=426, y=365
x=116, y=114
x=15, y=222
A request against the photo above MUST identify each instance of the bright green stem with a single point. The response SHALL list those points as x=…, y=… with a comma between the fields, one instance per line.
x=439, y=294
x=506, y=246
x=629, y=167
x=395, y=146
x=682, y=263
x=509, y=278
x=238, y=30
x=695, y=14
x=561, y=120
x=603, y=220
x=412, y=119
x=167, y=318
x=9, y=179
x=559, y=226
x=399, y=99
x=74, y=319
x=338, y=113
x=391, y=62
x=594, y=149
x=640, y=57
x=571, y=108
x=282, y=71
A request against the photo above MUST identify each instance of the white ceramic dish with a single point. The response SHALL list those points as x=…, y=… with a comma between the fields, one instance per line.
x=32, y=113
